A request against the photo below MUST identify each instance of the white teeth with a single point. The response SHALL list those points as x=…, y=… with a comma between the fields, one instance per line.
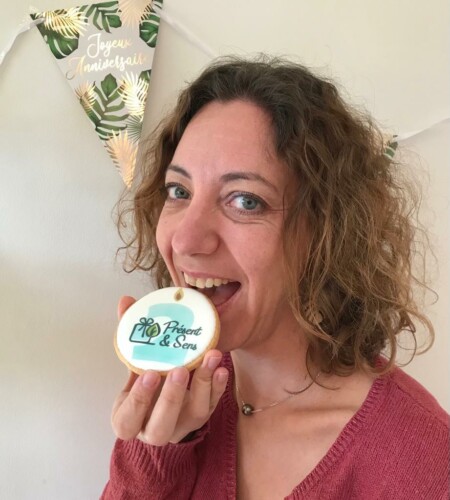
x=204, y=283
x=200, y=283
x=189, y=280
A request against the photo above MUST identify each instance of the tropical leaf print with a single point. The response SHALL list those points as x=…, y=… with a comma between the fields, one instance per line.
x=104, y=111
x=134, y=127
x=86, y=95
x=145, y=75
x=104, y=15
x=391, y=146
x=133, y=91
x=132, y=11
x=135, y=121
x=123, y=153
x=61, y=30
x=149, y=25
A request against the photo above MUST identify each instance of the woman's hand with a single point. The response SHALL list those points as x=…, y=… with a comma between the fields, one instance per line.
x=161, y=410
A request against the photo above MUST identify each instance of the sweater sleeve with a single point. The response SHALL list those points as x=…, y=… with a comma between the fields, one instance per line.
x=142, y=471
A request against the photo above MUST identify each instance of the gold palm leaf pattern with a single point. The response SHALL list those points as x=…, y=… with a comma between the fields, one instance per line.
x=132, y=11
x=123, y=153
x=133, y=91
x=134, y=127
x=69, y=23
x=86, y=95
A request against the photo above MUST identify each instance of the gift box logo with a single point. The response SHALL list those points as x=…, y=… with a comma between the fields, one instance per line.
x=144, y=331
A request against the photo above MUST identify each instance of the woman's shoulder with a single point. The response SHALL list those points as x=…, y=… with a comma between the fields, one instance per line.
x=399, y=411
x=415, y=401
x=395, y=446
x=402, y=443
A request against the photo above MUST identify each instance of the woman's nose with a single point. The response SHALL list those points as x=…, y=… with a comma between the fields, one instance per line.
x=197, y=232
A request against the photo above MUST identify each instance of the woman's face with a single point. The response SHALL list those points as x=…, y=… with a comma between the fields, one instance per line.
x=222, y=221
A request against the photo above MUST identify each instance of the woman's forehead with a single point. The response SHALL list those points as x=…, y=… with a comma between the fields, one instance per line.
x=224, y=138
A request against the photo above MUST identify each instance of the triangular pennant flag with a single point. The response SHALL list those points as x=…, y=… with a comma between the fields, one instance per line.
x=105, y=51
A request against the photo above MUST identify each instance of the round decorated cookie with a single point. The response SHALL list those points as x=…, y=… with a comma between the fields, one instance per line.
x=167, y=328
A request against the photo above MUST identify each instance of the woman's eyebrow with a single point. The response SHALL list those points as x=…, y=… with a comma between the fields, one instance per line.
x=179, y=170
x=229, y=177
x=248, y=176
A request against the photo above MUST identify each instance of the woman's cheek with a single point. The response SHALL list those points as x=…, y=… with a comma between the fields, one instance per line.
x=162, y=236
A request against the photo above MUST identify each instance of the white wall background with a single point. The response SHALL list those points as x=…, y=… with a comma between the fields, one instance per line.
x=59, y=284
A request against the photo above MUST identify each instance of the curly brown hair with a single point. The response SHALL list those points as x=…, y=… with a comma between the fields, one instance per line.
x=351, y=291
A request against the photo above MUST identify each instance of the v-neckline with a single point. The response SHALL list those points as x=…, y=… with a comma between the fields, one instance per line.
x=334, y=453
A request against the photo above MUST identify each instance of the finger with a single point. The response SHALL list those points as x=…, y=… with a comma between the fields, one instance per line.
x=204, y=395
x=131, y=415
x=201, y=387
x=124, y=303
x=162, y=422
x=124, y=393
x=219, y=384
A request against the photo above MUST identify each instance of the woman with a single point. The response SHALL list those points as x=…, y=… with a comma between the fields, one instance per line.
x=263, y=177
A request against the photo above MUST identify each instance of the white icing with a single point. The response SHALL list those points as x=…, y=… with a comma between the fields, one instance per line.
x=159, y=332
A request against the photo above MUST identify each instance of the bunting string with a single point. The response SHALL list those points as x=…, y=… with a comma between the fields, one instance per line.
x=24, y=26
x=185, y=33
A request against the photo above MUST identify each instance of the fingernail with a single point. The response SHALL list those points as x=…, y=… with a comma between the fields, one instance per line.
x=150, y=379
x=179, y=377
x=213, y=362
x=222, y=377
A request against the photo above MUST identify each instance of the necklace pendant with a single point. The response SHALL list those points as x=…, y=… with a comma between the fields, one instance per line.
x=247, y=409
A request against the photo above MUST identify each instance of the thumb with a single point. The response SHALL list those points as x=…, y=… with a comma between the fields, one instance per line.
x=124, y=303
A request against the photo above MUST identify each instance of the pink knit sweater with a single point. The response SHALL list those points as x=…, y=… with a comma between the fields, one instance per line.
x=396, y=447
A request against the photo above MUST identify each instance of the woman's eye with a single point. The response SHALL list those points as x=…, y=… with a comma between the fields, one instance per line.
x=247, y=203
x=175, y=192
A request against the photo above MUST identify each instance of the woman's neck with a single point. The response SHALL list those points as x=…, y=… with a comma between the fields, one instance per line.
x=274, y=365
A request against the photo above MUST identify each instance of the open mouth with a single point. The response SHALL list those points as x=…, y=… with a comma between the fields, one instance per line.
x=217, y=290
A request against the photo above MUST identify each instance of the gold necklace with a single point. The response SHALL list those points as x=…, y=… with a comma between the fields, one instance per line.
x=247, y=409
